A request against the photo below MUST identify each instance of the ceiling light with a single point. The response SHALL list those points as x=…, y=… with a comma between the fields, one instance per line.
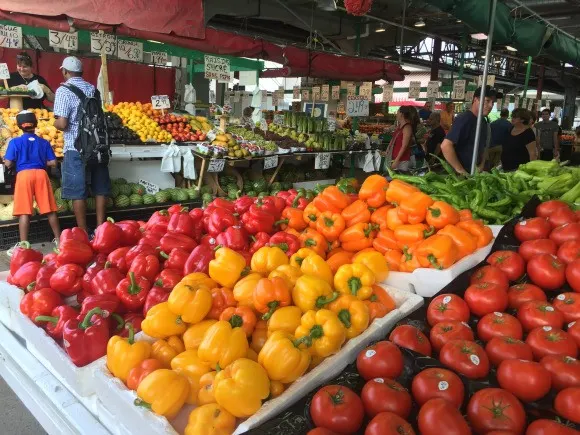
x=510, y=48
x=497, y=61
x=482, y=56
x=567, y=65
x=154, y=42
x=388, y=56
x=420, y=23
x=381, y=28
x=479, y=36
x=525, y=62
x=459, y=21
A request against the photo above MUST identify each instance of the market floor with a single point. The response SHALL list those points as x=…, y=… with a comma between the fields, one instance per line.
x=15, y=419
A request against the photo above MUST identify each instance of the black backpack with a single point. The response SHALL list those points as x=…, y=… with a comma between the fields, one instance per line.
x=92, y=141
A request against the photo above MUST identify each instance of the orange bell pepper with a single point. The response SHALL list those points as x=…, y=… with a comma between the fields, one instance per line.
x=465, y=243
x=409, y=261
x=394, y=220
x=221, y=298
x=406, y=235
x=358, y=237
x=337, y=260
x=393, y=257
x=334, y=251
x=441, y=214
x=379, y=216
x=399, y=190
x=465, y=215
x=330, y=225
x=356, y=213
x=438, y=252
x=276, y=389
x=242, y=317
x=373, y=190
x=481, y=232
x=331, y=199
x=292, y=231
x=415, y=206
x=310, y=215
x=312, y=239
x=292, y=218
x=380, y=303
x=141, y=371
x=385, y=240
x=205, y=394
x=259, y=336
x=270, y=294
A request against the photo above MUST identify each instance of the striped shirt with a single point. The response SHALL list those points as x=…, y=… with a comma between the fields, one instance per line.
x=67, y=104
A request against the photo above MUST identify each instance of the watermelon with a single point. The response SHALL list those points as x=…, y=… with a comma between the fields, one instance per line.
x=233, y=192
x=276, y=186
x=181, y=195
x=193, y=193
x=120, y=181
x=69, y=205
x=124, y=190
x=58, y=194
x=109, y=203
x=251, y=193
x=175, y=195
x=138, y=189
x=148, y=199
x=206, y=189
x=91, y=204
x=260, y=185
x=61, y=206
x=161, y=197
x=122, y=201
x=136, y=199
x=114, y=190
x=206, y=198
x=54, y=183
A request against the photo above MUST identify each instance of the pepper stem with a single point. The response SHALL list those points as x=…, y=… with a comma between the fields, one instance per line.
x=429, y=232
x=164, y=255
x=354, y=284
x=236, y=321
x=134, y=288
x=344, y=317
x=316, y=332
x=24, y=245
x=142, y=403
x=30, y=286
x=283, y=246
x=328, y=222
x=131, y=336
x=435, y=212
x=50, y=319
x=107, y=265
x=298, y=260
x=87, y=320
x=298, y=196
x=281, y=221
x=272, y=307
x=120, y=321
x=433, y=260
x=110, y=219
x=322, y=300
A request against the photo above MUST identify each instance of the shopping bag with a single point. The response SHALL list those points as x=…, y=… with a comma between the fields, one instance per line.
x=189, y=95
x=167, y=164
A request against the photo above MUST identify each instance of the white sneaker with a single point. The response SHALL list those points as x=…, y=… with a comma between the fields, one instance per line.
x=10, y=251
x=55, y=243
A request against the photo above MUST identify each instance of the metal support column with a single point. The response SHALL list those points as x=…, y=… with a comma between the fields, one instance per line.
x=402, y=32
x=435, y=59
x=540, y=89
x=527, y=79
x=464, y=42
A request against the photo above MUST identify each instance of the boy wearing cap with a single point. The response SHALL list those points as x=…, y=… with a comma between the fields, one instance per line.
x=31, y=155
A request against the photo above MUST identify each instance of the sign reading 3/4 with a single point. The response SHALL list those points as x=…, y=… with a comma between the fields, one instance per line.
x=105, y=42
x=10, y=36
x=217, y=68
x=159, y=58
x=130, y=50
x=64, y=40
x=160, y=102
x=357, y=105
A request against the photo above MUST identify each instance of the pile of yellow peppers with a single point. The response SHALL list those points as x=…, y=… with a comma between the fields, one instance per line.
x=231, y=340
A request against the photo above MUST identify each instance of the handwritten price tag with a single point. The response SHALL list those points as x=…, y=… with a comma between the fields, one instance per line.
x=414, y=89
x=216, y=165
x=160, y=102
x=432, y=89
x=217, y=68
x=64, y=40
x=350, y=89
x=159, y=58
x=10, y=36
x=322, y=161
x=305, y=95
x=4, y=71
x=105, y=42
x=270, y=162
x=387, y=93
x=459, y=89
x=357, y=105
x=150, y=188
x=296, y=93
x=336, y=93
x=130, y=50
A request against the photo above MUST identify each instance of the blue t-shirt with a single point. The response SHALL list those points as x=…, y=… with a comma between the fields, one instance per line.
x=462, y=134
x=29, y=152
x=500, y=132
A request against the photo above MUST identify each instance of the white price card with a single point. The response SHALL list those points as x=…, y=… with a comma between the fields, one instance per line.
x=335, y=93
x=275, y=98
x=414, y=89
x=159, y=58
x=296, y=93
x=357, y=105
x=322, y=161
x=10, y=36
x=217, y=68
x=459, y=90
x=524, y=103
x=548, y=104
x=331, y=125
x=216, y=165
x=350, y=89
x=160, y=102
x=490, y=80
x=324, y=92
x=433, y=89
x=366, y=90
x=270, y=162
x=516, y=102
x=316, y=93
x=130, y=50
x=64, y=40
x=211, y=135
x=387, y=93
x=150, y=188
x=105, y=42
x=305, y=94
x=4, y=71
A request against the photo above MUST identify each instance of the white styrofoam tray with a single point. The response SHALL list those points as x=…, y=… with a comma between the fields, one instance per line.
x=313, y=184
x=10, y=297
x=116, y=397
x=427, y=282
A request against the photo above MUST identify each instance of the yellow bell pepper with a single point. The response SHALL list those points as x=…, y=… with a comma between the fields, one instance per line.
x=375, y=261
x=206, y=393
x=288, y=273
x=297, y=258
x=164, y=392
x=259, y=336
x=266, y=259
x=354, y=279
x=165, y=350
x=315, y=265
x=191, y=302
x=222, y=345
x=241, y=387
x=252, y=354
x=199, y=279
x=316, y=360
x=283, y=359
x=285, y=319
x=353, y=313
x=210, y=419
x=188, y=364
x=194, y=334
x=312, y=293
x=321, y=332
x=227, y=267
x=244, y=289
x=125, y=353
x=161, y=322
x=276, y=389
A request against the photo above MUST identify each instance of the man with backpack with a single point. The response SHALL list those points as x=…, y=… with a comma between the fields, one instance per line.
x=79, y=114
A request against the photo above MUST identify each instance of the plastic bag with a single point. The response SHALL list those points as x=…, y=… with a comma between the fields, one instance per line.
x=188, y=164
x=189, y=95
x=167, y=163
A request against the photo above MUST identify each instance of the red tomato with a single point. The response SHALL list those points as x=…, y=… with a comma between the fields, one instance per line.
x=532, y=229
x=574, y=331
x=545, y=209
x=509, y=262
x=387, y=423
x=435, y=382
x=534, y=247
x=569, y=251
x=337, y=408
x=465, y=357
x=536, y=313
x=320, y=431
x=490, y=274
x=499, y=325
x=438, y=416
x=567, y=404
x=521, y=293
x=565, y=370
x=486, y=297
x=496, y=409
x=569, y=305
x=409, y=337
x=565, y=233
x=444, y=332
x=547, y=271
x=527, y=380
x=502, y=348
x=547, y=340
x=385, y=395
x=447, y=307
x=549, y=427
x=381, y=360
x=562, y=216
x=573, y=275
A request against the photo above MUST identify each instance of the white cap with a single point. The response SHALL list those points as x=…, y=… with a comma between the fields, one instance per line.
x=72, y=64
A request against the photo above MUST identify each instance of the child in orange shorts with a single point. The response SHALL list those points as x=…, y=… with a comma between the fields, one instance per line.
x=31, y=155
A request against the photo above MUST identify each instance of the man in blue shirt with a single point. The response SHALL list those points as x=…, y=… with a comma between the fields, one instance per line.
x=500, y=129
x=425, y=111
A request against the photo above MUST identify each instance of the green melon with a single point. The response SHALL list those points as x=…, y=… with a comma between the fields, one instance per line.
x=206, y=189
x=91, y=204
x=193, y=193
x=115, y=190
x=124, y=189
x=69, y=205
x=207, y=198
x=61, y=206
x=136, y=199
x=122, y=201
x=58, y=194
x=161, y=197
x=180, y=195
x=110, y=203
x=138, y=189
x=175, y=195
x=148, y=199
x=120, y=181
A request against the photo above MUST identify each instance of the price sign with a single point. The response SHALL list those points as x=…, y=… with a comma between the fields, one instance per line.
x=516, y=102
x=216, y=165
x=387, y=93
x=433, y=89
x=105, y=42
x=350, y=89
x=10, y=36
x=279, y=119
x=531, y=104
x=217, y=68
x=469, y=95
x=316, y=93
x=335, y=93
x=296, y=93
x=270, y=162
x=324, y=92
x=331, y=123
x=160, y=102
x=548, y=103
x=65, y=40
x=322, y=161
x=524, y=103
x=357, y=105
x=414, y=89
x=459, y=89
x=275, y=98
x=366, y=90
x=490, y=80
x=150, y=188
x=4, y=72
x=305, y=95
x=159, y=58
x=130, y=50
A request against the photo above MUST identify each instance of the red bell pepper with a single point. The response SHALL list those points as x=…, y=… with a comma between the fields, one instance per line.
x=167, y=279
x=235, y=238
x=42, y=277
x=171, y=241
x=108, y=302
x=85, y=338
x=132, y=292
x=22, y=255
x=268, y=206
x=259, y=240
x=55, y=322
x=118, y=259
x=90, y=274
x=75, y=233
x=242, y=204
x=140, y=249
x=222, y=203
x=158, y=222
x=300, y=203
x=155, y=296
x=219, y=220
x=146, y=266
x=40, y=302
x=287, y=242
x=82, y=295
x=105, y=281
x=134, y=319
x=278, y=204
x=130, y=232
x=247, y=256
x=50, y=259
x=196, y=216
x=26, y=274
x=67, y=279
x=174, y=209
x=175, y=259
x=74, y=252
x=208, y=241
x=108, y=237
x=151, y=239
x=181, y=223
x=257, y=219
x=285, y=194
x=198, y=260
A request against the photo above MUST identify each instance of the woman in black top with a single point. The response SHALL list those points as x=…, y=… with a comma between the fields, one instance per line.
x=23, y=76
x=520, y=145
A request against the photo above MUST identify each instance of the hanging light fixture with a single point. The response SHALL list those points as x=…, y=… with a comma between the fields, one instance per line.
x=510, y=48
x=381, y=28
x=420, y=23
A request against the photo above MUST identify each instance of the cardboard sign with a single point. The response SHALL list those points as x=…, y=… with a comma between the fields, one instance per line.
x=335, y=93
x=217, y=68
x=64, y=40
x=150, y=188
x=296, y=93
x=270, y=162
x=105, y=42
x=159, y=102
x=350, y=89
x=459, y=89
x=316, y=93
x=324, y=92
x=216, y=165
x=357, y=105
x=433, y=89
x=305, y=94
x=490, y=80
x=130, y=50
x=4, y=71
x=322, y=160
x=414, y=89
x=366, y=90
x=10, y=36
x=159, y=58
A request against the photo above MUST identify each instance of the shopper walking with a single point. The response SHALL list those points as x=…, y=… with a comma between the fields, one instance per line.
x=77, y=173
x=447, y=116
x=520, y=145
x=403, y=138
x=547, y=137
